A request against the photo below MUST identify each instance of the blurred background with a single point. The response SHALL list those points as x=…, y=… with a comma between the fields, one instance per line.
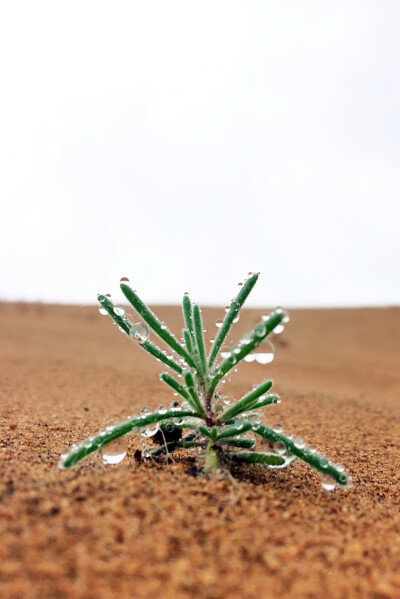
x=183, y=144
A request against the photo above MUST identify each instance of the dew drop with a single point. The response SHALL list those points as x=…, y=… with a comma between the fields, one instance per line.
x=225, y=352
x=145, y=410
x=260, y=330
x=250, y=358
x=162, y=409
x=119, y=310
x=245, y=339
x=240, y=284
x=175, y=405
x=278, y=428
x=265, y=353
x=227, y=308
x=186, y=293
x=278, y=329
x=124, y=280
x=212, y=340
x=114, y=452
x=279, y=447
x=163, y=326
x=139, y=332
x=108, y=295
x=103, y=311
x=236, y=319
x=328, y=483
x=299, y=442
x=150, y=430
x=219, y=323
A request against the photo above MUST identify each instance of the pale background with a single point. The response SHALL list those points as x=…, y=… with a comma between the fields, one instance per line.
x=183, y=144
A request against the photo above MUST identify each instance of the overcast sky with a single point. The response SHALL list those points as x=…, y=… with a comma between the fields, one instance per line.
x=183, y=144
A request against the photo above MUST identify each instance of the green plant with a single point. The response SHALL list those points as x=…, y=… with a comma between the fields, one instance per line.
x=221, y=428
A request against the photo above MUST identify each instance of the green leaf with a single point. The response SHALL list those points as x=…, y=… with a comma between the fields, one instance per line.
x=199, y=338
x=190, y=384
x=154, y=323
x=312, y=458
x=125, y=324
x=96, y=441
x=237, y=428
x=246, y=401
x=239, y=351
x=257, y=457
x=230, y=316
x=245, y=443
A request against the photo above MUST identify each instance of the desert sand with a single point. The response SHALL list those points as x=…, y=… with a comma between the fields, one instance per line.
x=151, y=530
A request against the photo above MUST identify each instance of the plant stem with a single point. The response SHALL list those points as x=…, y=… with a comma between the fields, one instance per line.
x=211, y=460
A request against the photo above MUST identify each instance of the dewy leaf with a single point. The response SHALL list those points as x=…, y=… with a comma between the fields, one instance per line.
x=239, y=351
x=158, y=327
x=230, y=316
x=94, y=442
x=125, y=324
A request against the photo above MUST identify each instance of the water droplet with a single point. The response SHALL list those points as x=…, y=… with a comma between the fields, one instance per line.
x=324, y=462
x=139, y=332
x=250, y=274
x=145, y=410
x=278, y=428
x=278, y=329
x=299, y=442
x=219, y=323
x=240, y=284
x=250, y=358
x=279, y=447
x=114, y=452
x=212, y=340
x=119, y=310
x=236, y=319
x=124, y=280
x=162, y=409
x=163, y=326
x=175, y=405
x=103, y=311
x=150, y=430
x=245, y=339
x=225, y=352
x=339, y=467
x=260, y=330
x=328, y=483
x=186, y=293
x=265, y=352
x=227, y=308
x=108, y=295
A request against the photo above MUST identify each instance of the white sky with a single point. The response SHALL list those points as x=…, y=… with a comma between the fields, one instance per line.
x=183, y=144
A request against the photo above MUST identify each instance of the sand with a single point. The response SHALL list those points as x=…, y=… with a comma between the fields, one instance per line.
x=148, y=530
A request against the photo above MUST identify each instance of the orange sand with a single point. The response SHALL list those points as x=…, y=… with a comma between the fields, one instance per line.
x=143, y=530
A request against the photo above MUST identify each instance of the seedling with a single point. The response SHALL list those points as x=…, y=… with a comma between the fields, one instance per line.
x=225, y=430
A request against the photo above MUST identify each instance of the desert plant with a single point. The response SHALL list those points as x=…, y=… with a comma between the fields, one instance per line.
x=220, y=427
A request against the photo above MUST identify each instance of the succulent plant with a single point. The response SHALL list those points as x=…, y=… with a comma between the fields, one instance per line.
x=203, y=417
